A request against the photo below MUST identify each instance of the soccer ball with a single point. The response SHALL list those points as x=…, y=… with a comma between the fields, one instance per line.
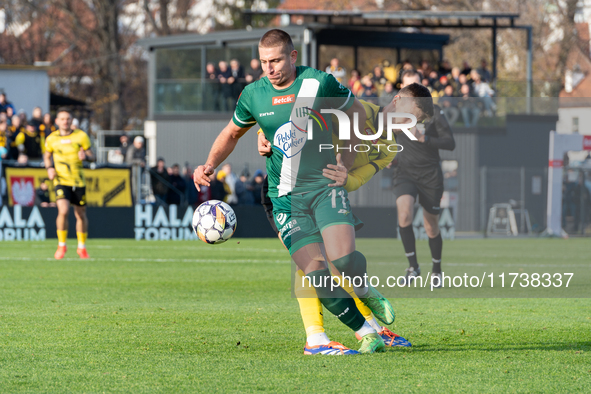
x=214, y=222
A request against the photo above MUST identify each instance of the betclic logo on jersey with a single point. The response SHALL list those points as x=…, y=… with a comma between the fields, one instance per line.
x=288, y=99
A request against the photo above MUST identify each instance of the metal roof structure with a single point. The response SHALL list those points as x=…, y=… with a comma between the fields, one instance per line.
x=418, y=19
x=401, y=18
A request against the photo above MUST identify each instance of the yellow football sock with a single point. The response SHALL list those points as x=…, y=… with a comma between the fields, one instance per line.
x=62, y=236
x=365, y=311
x=81, y=237
x=310, y=306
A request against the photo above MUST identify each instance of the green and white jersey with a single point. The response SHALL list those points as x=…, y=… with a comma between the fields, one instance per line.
x=285, y=116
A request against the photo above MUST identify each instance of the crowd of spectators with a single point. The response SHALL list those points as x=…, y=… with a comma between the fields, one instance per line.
x=174, y=185
x=22, y=139
x=461, y=92
x=224, y=83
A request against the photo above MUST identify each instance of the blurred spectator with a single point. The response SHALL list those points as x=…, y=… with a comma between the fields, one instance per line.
x=136, y=154
x=468, y=107
x=257, y=186
x=236, y=81
x=22, y=116
x=447, y=102
x=159, y=178
x=444, y=67
x=217, y=186
x=11, y=134
x=483, y=71
x=31, y=142
x=387, y=95
x=22, y=160
x=9, y=115
x=36, y=118
x=244, y=190
x=454, y=80
x=117, y=156
x=483, y=90
x=378, y=79
x=254, y=72
x=192, y=193
x=42, y=194
x=224, y=73
x=230, y=180
x=433, y=78
x=211, y=88
x=425, y=68
x=75, y=124
x=5, y=104
x=178, y=182
x=355, y=82
x=47, y=126
x=440, y=84
x=339, y=72
x=466, y=69
x=124, y=144
x=369, y=95
x=3, y=142
x=390, y=72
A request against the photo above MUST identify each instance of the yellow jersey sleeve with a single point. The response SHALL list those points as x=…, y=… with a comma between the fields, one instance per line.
x=48, y=143
x=84, y=140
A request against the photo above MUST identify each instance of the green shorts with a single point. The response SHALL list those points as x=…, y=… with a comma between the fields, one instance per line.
x=301, y=218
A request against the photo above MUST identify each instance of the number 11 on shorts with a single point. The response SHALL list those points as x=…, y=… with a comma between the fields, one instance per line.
x=333, y=195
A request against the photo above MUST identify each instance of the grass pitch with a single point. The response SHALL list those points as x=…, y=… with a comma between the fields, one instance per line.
x=190, y=317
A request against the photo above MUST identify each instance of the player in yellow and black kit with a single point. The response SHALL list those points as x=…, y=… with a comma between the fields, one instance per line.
x=68, y=149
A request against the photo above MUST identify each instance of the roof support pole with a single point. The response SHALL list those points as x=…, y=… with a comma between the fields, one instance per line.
x=529, y=30
x=494, y=54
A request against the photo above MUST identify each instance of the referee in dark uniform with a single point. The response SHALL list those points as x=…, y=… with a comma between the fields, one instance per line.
x=418, y=174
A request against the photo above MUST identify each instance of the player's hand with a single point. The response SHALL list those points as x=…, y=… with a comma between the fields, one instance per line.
x=51, y=173
x=263, y=145
x=417, y=133
x=81, y=154
x=337, y=173
x=201, y=175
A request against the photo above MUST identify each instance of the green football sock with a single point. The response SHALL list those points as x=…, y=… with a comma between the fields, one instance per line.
x=336, y=299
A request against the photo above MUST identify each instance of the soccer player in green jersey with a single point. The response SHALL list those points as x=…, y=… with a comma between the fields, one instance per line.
x=314, y=220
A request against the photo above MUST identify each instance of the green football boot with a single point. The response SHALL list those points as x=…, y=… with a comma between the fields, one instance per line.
x=372, y=343
x=380, y=306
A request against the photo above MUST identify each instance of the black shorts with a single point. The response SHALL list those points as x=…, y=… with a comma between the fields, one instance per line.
x=426, y=183
x=268, y=205
x=76, y=195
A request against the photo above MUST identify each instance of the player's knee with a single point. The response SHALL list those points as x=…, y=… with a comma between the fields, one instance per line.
x=351, y=264
x=404, y=219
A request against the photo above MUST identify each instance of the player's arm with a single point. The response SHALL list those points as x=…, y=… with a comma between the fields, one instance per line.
x=48, y=161
x=85, y=153
x=222, y=147
x=357, y=107
x=19, y=139
x=445, y=139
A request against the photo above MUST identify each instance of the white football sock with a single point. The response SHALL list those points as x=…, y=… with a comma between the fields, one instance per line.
x=374, y=323
x=366, y=329
x=318, y=339
x=61, y=244
x=81, y=246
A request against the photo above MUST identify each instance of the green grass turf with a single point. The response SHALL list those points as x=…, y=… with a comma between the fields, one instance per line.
x=190, y=317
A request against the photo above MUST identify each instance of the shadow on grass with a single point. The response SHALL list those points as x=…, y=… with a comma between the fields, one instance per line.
x=459, y=347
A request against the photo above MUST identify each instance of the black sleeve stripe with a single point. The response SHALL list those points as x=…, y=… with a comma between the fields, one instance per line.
x=375, y=166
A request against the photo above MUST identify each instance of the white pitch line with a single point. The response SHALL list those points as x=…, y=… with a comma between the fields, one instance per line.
x=208, y=261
